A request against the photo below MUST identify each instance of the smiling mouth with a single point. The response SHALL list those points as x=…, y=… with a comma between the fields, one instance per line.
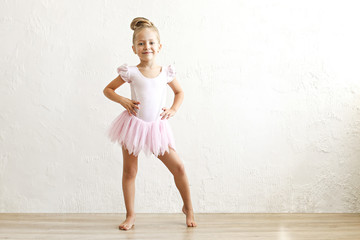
x=147, y=52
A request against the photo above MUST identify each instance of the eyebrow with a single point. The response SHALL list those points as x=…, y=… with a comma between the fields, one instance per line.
x=144, y=40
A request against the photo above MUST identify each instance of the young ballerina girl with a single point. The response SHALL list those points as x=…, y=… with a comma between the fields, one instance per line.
x=143, y=125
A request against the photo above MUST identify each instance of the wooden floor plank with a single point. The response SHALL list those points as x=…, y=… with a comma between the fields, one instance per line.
x=229, y=226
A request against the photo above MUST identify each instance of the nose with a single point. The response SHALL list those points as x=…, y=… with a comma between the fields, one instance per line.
x=147, y=45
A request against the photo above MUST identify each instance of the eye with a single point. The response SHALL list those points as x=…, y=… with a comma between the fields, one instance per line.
x=152, y=42
x=140, y=44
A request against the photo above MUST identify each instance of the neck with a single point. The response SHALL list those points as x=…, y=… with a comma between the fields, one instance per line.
x=147, y=64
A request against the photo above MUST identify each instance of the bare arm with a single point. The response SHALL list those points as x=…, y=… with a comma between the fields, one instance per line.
x=179, y=94
x=109, y=92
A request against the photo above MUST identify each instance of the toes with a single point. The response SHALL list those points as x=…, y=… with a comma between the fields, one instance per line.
x=123, y=227
x=192, y=224
x=126, y=227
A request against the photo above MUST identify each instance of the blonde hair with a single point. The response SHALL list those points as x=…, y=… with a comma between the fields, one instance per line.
x=139, y=24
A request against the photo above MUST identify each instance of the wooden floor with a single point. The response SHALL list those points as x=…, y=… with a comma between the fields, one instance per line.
x=284, y=226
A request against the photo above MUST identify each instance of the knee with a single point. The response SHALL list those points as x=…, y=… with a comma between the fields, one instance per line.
x=180, y=169
x=129, y=172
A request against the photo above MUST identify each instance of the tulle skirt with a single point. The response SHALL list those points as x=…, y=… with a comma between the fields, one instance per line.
x=136, y=134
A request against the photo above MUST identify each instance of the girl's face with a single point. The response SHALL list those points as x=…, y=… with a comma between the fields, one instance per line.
x=146, y=45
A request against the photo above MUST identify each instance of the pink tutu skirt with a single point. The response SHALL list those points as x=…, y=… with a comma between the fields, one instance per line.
x=136, y=134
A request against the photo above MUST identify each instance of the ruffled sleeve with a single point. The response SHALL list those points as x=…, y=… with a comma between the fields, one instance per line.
x=124, y=72
x=171, y=73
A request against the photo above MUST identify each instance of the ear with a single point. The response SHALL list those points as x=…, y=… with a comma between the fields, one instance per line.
x=160, y=46
x=133, y=49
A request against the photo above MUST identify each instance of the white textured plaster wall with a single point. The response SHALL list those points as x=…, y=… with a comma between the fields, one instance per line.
x=270, y=120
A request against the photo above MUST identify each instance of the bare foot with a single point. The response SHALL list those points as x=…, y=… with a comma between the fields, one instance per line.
x=128, y=223
x=190, y=221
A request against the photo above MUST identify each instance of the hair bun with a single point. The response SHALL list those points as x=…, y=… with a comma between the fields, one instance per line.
x=140, y=22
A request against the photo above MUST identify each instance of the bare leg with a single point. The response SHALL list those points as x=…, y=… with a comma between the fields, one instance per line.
x=130, y=167
x=173, y=162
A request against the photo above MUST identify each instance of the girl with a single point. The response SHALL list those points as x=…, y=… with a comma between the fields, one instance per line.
x=142, y=126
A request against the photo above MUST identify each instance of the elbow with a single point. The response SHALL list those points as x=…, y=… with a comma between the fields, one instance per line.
x=180, y=93
x=105, y=91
